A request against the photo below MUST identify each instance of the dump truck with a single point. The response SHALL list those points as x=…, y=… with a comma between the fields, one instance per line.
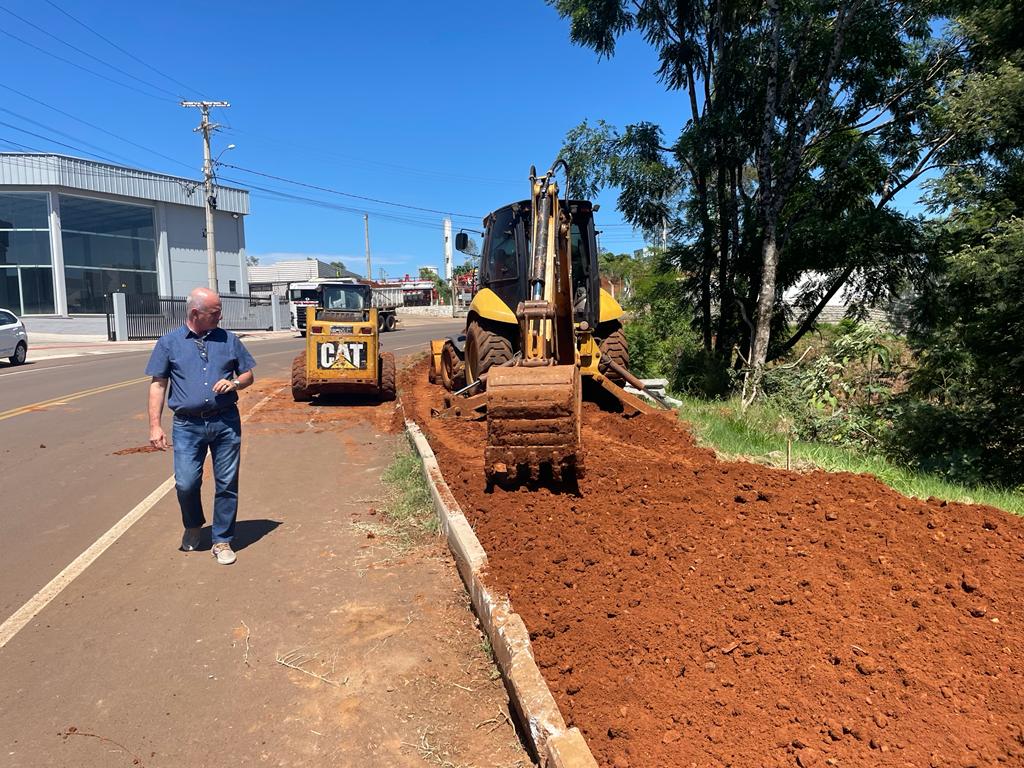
x=342, y=354
x=309, y=293
x=539, y=326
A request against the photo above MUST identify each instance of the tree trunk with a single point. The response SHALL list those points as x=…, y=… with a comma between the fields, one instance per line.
x=765, y=308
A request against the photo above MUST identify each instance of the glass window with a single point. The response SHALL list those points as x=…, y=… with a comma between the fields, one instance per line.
x=37, y=290
x=102, y=217
x=502, y=263
x=87, y=288
x=24, y=210
x=6, y=318
x=85, y=250
x=10, y=296
x=25, y=247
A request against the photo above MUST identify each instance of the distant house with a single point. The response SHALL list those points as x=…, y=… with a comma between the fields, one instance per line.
x=273, y=279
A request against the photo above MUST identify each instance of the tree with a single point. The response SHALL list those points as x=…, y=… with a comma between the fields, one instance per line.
x=805, y=116
x=338, y=267
x=252, y=261
x=968, y=329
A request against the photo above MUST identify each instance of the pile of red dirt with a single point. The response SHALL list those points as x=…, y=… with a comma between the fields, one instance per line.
x=689, y=611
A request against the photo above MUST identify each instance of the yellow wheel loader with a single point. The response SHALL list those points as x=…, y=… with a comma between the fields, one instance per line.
x=342, y=354
x=539, y=325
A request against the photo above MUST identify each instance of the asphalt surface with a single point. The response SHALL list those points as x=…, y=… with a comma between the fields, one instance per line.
x=323, y=645
x=62, y=423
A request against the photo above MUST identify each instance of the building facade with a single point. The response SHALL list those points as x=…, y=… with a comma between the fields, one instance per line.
x=73, y=231
x=273, y=279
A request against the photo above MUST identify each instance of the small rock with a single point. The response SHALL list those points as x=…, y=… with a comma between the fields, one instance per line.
x=710, y=666
x=670, y=736
x=730, y=648
x=874, y=743
x=783, y=704
x=978, y=611
x=880, y=719
x=783, y=600
x=807, y=758
x=834, y=729
x=831, y=515
x=621, y=761
x=946, y=691
x=968, y=582
x=989, y=525
x=867, y=667
x=707, y=643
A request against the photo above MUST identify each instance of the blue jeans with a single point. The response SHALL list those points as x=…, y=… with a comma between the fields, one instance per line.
x=222, y=434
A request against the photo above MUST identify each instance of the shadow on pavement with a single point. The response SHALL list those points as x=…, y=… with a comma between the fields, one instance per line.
x=249, y=532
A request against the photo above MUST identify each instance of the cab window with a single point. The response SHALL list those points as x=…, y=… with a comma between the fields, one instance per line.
x=502, y=263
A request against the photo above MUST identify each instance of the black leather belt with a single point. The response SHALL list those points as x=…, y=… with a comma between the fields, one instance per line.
x=181, y=413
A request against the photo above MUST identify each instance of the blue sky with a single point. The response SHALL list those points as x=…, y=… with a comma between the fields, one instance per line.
x=442, y=106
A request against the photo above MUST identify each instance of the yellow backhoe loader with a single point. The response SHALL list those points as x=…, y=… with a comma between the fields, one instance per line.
x=524, y=367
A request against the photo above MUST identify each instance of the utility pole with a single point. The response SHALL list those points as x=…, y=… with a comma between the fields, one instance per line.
x=366, y=228
x=207, y=128
x=448, y=260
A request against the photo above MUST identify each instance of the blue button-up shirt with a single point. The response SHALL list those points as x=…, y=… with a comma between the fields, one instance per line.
x=177, y=356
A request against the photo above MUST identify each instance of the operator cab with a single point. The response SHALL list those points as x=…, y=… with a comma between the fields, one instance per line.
x=345, y=297
x=504, y=265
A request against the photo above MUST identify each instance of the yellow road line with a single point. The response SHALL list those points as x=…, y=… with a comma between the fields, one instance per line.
x=68, y=398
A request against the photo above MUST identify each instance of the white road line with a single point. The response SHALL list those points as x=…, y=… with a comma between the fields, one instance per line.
x=43, y=597
x=36, y=370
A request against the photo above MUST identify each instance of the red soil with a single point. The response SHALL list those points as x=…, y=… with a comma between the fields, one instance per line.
x=688, y=611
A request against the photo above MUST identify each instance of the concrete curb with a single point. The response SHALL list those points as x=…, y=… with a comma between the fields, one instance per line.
x=553, y=744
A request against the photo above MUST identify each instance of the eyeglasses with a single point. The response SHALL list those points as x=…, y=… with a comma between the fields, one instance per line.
x=201, y=345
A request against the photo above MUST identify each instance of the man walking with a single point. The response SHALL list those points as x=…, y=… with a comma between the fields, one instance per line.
x=206, y=366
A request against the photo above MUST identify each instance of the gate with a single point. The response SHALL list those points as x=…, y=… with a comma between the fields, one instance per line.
x=150, y=317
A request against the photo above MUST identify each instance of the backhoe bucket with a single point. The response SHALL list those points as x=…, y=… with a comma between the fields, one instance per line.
x=533, y=420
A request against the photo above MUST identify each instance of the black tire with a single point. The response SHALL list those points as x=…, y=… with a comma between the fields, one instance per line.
x=389, y=322
x=300, y=385
x=614, y=347
x=387, y=376
x=20, y=353
x=486, y=347
x=380, y=323
x=453, y=370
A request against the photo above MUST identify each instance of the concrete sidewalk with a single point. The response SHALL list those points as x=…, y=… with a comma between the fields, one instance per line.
x=329, y=642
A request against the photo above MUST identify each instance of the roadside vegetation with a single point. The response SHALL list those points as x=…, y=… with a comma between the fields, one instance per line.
x=780, y=192
x=409, y=506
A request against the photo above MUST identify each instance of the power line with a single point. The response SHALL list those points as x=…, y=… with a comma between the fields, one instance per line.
x=84, y=69
x=60, y=40
x=350, y=194
x=122, y=50
x=59, y=132
x=94, y=126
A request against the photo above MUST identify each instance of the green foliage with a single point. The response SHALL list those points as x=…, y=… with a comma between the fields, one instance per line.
x=760, y=433
x=409, y=505
x=837, y=394
x=662, y=340
x=338, y=267
x=967, y=419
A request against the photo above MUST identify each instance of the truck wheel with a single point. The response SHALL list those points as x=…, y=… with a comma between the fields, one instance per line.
x=614, y=347
x=387, y=376
x=389, y=322
x=486, y=346
x=380, y=323
x=300, y=387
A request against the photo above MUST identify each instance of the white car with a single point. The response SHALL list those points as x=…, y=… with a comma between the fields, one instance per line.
x=13, y=338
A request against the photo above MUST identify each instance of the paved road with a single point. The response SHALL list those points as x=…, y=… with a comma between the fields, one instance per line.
x=62, y=423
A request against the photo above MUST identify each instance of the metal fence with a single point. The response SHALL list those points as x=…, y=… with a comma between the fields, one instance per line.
x=150, y=317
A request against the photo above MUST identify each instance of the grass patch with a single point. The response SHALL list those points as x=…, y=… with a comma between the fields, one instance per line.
x=760, y=435
x=409, y=505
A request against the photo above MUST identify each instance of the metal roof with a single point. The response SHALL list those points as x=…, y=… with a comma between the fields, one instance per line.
x=47, y=170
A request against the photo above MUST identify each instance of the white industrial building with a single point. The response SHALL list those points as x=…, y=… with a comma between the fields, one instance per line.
x=273, y=279
x=73, y=231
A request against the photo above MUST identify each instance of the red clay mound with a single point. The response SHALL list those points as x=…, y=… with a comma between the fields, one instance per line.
x=687, y=611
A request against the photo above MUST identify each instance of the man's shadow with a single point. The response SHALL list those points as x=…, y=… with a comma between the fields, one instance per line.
x=247, y=532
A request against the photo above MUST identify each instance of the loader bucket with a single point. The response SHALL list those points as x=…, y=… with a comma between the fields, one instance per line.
x=533, y=421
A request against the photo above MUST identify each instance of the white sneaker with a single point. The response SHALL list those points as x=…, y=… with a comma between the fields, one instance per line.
x=222, y=551
x=190, y=540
